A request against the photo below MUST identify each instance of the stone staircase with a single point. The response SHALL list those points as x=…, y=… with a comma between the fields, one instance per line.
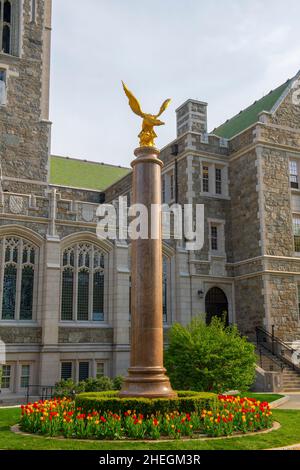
x=290, y=378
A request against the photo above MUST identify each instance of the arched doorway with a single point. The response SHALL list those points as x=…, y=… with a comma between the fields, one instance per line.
x=216, y=304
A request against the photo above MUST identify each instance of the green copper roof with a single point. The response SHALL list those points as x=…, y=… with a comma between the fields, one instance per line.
x=84, y=174
x=249, y=116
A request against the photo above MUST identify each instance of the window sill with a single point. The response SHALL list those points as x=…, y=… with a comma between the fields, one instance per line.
x=11, y=57
x=19, y=323
x=215, y=196
x=219, y=254
x=83, y=324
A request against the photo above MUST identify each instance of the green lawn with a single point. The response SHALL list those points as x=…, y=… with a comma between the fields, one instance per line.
x=288, y=434
x=263, y=396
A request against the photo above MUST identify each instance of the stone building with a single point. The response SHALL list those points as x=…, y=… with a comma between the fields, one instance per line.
x=65, y=294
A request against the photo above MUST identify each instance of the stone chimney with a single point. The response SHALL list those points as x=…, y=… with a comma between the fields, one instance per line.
x=192, y=117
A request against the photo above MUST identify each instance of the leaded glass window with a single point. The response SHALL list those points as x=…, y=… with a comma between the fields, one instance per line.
x=83, y=283
x=17, y=275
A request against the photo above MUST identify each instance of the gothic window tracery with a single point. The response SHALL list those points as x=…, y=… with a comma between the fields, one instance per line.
x=17, y=274
x=82, y=287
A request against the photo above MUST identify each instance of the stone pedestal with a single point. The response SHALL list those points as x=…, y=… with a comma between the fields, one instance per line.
x=146, y=375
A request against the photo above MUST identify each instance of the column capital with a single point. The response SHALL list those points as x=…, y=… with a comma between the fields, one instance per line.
x=147, y=155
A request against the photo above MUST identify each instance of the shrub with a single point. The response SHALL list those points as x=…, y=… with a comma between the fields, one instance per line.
x=185, y=402
x=227, y=416
x=69, y=388
x=215, y=357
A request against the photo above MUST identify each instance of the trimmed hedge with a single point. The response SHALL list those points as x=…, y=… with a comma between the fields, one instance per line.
x=186, y=402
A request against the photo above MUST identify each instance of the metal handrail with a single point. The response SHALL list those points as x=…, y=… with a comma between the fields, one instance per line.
x=272, y=336
x=276, y=347
x=44, y=392
x=276, y=361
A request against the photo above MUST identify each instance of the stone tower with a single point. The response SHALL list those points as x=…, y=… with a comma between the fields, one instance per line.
x=25, y=36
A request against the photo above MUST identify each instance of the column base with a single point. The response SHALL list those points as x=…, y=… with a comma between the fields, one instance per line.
x=147, y=382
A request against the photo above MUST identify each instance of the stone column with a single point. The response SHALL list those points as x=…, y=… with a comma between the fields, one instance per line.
x=146, y=375
x=49, y=365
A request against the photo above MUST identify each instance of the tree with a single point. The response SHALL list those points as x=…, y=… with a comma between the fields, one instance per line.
x=209, y=358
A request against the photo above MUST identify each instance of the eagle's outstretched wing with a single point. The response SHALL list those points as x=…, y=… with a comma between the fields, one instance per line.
x=163, y=107
x=133, y=102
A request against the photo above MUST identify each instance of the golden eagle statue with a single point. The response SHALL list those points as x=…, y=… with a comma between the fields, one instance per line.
x=147, y=135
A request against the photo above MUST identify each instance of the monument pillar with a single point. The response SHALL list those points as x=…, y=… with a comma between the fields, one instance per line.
x=146, y=375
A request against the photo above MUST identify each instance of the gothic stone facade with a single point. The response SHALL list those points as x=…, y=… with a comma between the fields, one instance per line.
x=65, y=295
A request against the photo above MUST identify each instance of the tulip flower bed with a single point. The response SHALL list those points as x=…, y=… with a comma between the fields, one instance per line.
x=229, y=415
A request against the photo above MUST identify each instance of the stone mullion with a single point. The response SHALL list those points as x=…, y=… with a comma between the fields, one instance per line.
x=75, y=280
x=91, y=284
x=105, y=272
x=35, y=284
x=19, y=280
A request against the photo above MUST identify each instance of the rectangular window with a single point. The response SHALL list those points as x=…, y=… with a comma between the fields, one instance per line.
x=66, y=370
x=25, y=376
x=163, y=190
x=33, y=11
x=2, y=87
x=218, y=181
x=296, y=230
x=294, y=174
x=172, y=192
x=214, y=237
x=205, y=180
x=83, y=371
x=99, y=370
x=165, y=290
x=6, y=377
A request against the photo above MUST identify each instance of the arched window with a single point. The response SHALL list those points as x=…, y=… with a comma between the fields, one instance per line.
x=17, y=274
x=82, y=286
x=9, y=26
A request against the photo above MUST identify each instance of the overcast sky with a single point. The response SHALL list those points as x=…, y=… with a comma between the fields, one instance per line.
x=226, y=52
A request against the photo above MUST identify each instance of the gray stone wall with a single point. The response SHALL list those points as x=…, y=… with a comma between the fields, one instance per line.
x=283, y=299
x=242, y=140
x=20, y=335
x=288, y=113
x=277, y=205
x=245, y=229
x=85, y=335
x=249, y=301
x=120, y=187
x=24, y=144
